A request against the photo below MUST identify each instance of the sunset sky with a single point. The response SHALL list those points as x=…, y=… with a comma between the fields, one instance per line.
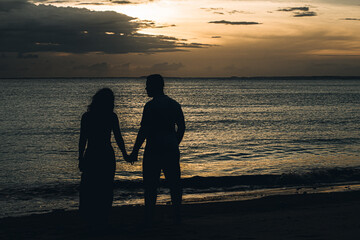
x=203, y=38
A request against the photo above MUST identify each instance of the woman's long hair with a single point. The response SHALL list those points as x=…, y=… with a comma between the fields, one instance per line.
x=102, y=101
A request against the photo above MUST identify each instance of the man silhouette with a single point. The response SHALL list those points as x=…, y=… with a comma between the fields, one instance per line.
x=163, y=127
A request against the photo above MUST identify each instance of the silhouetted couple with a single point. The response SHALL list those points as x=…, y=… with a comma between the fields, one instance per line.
x=162, y=126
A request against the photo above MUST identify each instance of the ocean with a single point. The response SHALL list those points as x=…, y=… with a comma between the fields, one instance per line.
x=243, y=135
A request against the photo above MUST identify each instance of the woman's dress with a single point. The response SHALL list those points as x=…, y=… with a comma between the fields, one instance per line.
x=96, y=187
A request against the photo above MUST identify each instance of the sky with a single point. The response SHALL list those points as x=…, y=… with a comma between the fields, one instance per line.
x=179, y=38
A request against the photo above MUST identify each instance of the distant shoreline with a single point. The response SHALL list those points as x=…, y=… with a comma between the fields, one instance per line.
x=212, y=78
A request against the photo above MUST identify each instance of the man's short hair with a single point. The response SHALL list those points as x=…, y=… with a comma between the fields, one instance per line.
x=156, y=81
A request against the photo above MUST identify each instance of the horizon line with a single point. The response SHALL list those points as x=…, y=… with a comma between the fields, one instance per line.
x=223, y=77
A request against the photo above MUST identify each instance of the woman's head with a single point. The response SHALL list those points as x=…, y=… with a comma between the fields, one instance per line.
x=102, y=101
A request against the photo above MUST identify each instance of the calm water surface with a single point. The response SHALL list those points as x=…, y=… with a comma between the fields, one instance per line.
x=234, y=127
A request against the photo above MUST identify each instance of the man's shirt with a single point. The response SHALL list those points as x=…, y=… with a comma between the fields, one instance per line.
x=160, y=118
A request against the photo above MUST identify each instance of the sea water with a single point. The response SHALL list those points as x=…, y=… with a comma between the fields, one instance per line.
x=240, y=133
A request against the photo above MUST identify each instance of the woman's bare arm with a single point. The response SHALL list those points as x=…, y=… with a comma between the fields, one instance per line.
x=82, y=142
x=118, y=137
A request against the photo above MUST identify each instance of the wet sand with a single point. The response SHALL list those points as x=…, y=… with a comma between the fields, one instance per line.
x=302, y=216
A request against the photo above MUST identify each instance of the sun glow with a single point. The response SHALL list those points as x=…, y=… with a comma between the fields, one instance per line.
x=163, y=11
x=159, y=11
x=232, y=36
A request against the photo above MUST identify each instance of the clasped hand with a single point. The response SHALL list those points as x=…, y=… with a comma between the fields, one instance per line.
x=133, y=157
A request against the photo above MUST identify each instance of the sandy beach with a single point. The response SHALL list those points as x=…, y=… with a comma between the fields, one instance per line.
x=301, y=216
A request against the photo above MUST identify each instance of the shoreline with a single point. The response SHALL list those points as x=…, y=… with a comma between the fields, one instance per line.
x=324, y=215
x=273, y=191
x=190, y=196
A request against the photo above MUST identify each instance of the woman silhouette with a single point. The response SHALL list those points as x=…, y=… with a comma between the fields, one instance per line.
x=98, y=163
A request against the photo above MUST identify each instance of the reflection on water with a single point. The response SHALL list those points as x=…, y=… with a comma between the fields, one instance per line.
x=234, y=127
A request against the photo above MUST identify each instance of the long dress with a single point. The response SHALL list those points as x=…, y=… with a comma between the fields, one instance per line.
x=96, y=187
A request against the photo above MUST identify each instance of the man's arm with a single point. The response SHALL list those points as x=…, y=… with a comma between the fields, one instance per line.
x=140, y=136
x=139, y=141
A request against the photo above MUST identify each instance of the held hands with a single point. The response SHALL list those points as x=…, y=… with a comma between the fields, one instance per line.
x=133, y=157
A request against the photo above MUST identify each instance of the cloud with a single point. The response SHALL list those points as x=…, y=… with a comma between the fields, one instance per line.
x=9, y=5
x=290, y=9
x=26, y=28
x=50, y=1
x=160, y=67
x=92, y=2
x=212, y=9
x=216, y=37
x=299, y=11
x=152, y=24
x=236, y=11
x=121, y=2
x=234, y=23
x=109, y=2
x=305, y=14
x=222, y=11
x=351, y=19
x=165, y=25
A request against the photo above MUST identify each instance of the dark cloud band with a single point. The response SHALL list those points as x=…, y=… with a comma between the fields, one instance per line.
x=299, y=11
x=290, y=9
x=26, y=28
x=351, y=19
x=234, y=23
x=305, y=14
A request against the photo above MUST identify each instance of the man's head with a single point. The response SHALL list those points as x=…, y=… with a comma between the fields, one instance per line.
x=154, y=85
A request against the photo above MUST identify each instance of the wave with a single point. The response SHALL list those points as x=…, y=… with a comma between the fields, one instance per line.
x=313, y=177
x=198, y=184
x=328, y=141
